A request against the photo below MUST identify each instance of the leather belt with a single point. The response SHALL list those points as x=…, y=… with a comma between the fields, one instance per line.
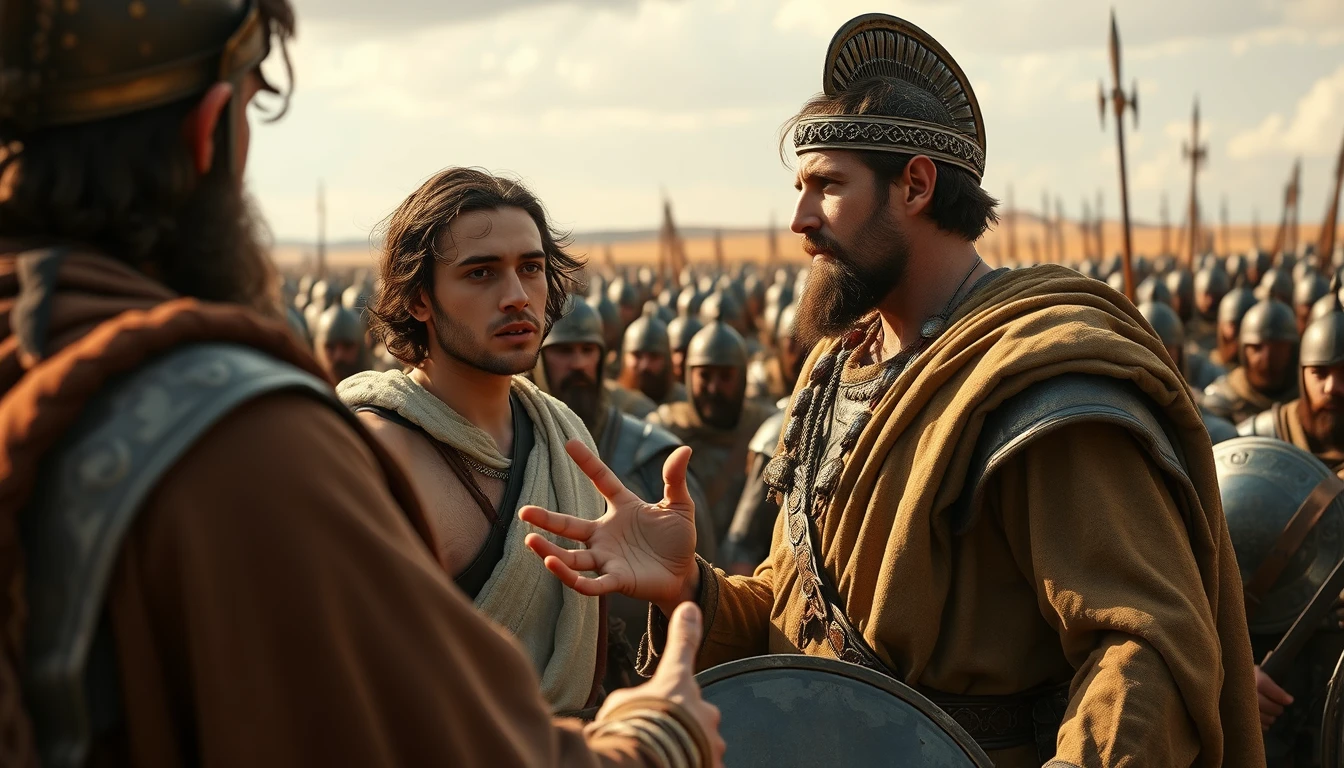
x=1003, y=722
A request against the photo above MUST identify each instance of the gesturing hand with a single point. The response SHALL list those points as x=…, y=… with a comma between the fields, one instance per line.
x=643, y=550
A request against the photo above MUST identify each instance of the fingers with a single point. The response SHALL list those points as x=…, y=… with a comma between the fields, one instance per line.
x=603, y=478
x=674, y=476
x=576, y=559
x=684, y=631
x=1270, y=690
x=568, y=526
x=605, y=584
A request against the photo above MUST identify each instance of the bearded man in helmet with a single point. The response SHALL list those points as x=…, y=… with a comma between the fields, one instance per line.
x=716, y=420
x=1315, y=420
x=995, y=485
x=647, y=367
x=195, y=525
x=1227, y=338
x=1268, y=371
x=341, y=343
x=772, y=378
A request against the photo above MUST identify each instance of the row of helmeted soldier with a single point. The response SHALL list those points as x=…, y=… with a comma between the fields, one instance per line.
x=1261, y=344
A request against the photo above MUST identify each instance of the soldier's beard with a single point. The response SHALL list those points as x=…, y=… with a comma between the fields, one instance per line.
x=719, y=411
x=582, y=394
x=843, y=288
x=1325, y=425
x=654, y=385
x=458, y=342
x=219, y=248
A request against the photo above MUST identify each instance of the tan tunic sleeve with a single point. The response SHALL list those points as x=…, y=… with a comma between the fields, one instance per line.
x=1093, y=526
x=273, y=607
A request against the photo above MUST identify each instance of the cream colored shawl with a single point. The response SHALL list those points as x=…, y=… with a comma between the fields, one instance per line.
x=557, y=626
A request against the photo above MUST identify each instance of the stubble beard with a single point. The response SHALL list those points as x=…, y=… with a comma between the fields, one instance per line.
x=457, y=342
x=842, y=289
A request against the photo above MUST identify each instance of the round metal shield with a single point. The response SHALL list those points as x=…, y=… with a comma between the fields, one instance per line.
x=806, y=710
x=1263, y=481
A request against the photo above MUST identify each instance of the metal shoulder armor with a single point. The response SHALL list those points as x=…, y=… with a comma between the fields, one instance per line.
x=1049, y=405
x=1263, y=424
x=766, y=438
x=630, y=443
x=88, y=493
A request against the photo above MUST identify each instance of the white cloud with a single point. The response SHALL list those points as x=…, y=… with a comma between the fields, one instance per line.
x=1314, y=128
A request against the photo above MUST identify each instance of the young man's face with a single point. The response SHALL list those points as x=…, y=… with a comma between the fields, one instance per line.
x=489, y=292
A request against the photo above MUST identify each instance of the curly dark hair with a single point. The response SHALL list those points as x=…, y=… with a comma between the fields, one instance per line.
x=959, y=204
x=412, y=244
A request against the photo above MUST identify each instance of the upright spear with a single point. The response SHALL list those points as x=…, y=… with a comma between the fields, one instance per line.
x=321, y=229
x=1121, y=102
x=1166, y=226
x=1227, y=230
x=1325, y=246
x=1085, y=231
x=1196, y=153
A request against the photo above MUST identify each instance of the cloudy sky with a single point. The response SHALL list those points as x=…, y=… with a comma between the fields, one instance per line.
x=601, y=105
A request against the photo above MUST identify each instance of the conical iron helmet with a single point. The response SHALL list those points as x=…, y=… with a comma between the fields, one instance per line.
x=1268, y=321
x=1165, y=322
x=681, y=330
x=1152, y=290
x=648, y=333
x=717, y=344
x=1323, y=340
x=1235, y=304
x=580, y=324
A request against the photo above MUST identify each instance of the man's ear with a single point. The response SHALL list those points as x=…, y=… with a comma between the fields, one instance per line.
x=201, y=122
x=920, y=177
x=420, y=308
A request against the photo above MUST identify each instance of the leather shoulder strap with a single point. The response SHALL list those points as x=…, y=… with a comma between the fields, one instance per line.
x=450, y=455
x=89, y=491
x=1057, y=402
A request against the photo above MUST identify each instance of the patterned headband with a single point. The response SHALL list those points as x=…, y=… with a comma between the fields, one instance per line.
x=880, y=45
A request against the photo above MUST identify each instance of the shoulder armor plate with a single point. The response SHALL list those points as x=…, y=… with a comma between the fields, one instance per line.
x=1263, y=424
x=89, y=491
x=1056, y=402
x=630, y=443
x=766, y=438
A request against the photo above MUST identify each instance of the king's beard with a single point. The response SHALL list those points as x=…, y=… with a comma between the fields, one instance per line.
x=847, y=283
x=218, y=248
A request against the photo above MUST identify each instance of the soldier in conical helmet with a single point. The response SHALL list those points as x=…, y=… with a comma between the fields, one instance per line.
x=647, y=367
x=1211, y=284
x=1231, y=310
x=680, y=331
x=625, y=295
x=1198, y=371
x=716, y=420
x=1268, y=370
x=1310, y=288
x=1152, y=289
x=1315, y=420
x=1276, y=284
x=774, y=376
x=340, y=343
x=1181, y=283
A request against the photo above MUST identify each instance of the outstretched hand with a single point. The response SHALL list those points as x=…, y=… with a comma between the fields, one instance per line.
x=643, y=550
